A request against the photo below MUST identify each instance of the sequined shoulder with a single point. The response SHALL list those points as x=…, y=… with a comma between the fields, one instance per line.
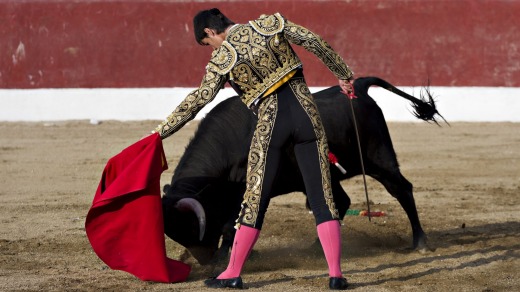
x=223, y=59
x=268, y=24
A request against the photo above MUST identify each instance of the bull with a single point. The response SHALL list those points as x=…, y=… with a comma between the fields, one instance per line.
x=203, y=200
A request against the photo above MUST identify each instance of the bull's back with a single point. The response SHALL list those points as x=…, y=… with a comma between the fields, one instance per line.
x=220, y=144
x=337, y=117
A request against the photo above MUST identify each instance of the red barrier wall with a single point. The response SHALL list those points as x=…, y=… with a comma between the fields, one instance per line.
x=68, y=44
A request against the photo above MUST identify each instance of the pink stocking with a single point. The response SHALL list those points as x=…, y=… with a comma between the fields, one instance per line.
x=330, y=238
x=245, y=239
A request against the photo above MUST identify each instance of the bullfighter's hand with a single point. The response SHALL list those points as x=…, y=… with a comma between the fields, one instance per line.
x=347, y=87
x=146, y=136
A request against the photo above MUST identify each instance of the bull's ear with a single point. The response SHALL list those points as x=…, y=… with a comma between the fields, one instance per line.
x=166, y=188
x=167, y=202
x=192, y=205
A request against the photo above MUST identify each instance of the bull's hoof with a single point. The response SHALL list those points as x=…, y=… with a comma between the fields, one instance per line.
x=235, y=283
x=338, y=283
x=422, y=246
x=425, y=249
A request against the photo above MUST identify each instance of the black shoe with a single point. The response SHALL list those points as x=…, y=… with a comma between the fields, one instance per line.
x=338, y=283
x=235, y=283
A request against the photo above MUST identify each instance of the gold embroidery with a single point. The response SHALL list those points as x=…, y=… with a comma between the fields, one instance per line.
x=259, y=146
x=223, y=59
x=280, y=83
x=313, y=43
x=257, y=159
x=268, y=24
x=262, y=60
x=263, y=45
x=302, y=93
x=192, y=104
x=256, y=55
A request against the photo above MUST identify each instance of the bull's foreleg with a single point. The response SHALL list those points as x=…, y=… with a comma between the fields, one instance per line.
x=400, y=188
x=228, y=234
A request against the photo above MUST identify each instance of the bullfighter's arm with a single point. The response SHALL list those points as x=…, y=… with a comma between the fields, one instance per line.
x=299, y=35
x=192, y=104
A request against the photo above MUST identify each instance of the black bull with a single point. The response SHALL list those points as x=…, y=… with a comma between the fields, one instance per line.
x=212, y=170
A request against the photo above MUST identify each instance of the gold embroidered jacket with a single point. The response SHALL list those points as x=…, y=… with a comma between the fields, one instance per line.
x=254, y=56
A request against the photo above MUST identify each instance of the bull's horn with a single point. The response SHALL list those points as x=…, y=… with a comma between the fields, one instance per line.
x=189, y=204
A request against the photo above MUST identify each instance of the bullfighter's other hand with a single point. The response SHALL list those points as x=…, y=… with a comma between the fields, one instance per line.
x=347, y=87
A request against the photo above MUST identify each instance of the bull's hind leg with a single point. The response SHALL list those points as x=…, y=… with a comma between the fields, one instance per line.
x=341, y=199
x=401, y=189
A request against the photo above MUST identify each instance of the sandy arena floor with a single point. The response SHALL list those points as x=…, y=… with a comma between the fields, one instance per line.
x=466, y=180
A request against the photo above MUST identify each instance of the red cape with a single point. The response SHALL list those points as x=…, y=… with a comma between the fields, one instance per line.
x=125, y=223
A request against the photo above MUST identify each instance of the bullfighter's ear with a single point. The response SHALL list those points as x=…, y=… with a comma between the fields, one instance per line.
x=209, y=32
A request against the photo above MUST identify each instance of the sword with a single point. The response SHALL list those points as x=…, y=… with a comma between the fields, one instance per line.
x=350, y=97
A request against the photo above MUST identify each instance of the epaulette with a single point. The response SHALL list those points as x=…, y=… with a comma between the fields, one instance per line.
x=268, y=24
x=223, y=59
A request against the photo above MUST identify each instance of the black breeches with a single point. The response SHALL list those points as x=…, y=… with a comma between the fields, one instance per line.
x=288, y=117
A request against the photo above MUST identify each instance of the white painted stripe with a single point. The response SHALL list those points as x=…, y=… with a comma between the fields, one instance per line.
x=472, y=104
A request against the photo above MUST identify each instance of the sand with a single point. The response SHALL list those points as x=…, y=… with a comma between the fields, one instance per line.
x=466, y=183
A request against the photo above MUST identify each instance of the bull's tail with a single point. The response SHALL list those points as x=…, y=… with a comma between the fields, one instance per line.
x=424, y=108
